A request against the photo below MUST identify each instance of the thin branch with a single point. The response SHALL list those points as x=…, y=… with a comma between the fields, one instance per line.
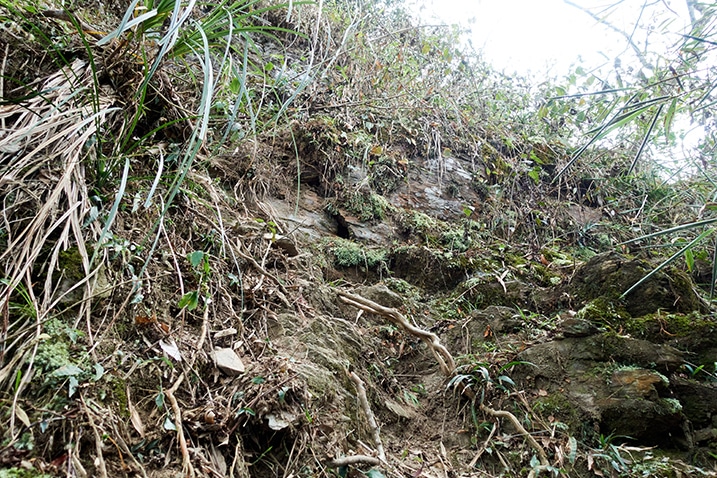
x=528, y=437
x=353, y=460
x=628, y=38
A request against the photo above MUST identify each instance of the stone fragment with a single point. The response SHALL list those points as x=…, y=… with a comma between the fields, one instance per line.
x=228, y=362
x=225, y=333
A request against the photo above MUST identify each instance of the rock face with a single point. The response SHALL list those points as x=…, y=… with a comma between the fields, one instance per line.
x=601, y=378
x=607, y=365
x=610, y=274
x=609, y=381
x=614, y=366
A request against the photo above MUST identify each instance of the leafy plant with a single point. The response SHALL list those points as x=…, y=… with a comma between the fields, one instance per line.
x=478, y=380
x=199, y=260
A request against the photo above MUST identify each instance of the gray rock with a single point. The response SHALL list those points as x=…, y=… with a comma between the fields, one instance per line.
x=228, y=361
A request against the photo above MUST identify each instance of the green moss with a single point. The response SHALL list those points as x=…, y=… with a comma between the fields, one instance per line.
x=70, y=262
x=52, y=354
x=350, y=254
x=544, y=275
x=558, y=405
x=414, y=222
x=119, y=391
x=22, y=473
x=652, y=326
x=603, y=311
x=403, y=288
x=367, y=207
x=670, y=405
x=456, y=240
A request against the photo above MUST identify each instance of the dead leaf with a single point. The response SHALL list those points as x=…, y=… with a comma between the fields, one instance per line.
x=20, y=413
x=280, y=422
x=171, y=349
x=134, y=415
x=559, y=455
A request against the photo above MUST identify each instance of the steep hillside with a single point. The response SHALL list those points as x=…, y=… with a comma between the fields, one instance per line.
x=254, y=239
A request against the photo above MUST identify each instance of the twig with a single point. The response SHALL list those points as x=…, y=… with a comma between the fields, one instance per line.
x=258, y=267
x=529, y=438
x=443, y=356
x=483, y=447
x=187, y=467
x=72, y=18
x=99, y=459
x=363, y=401
x=353, y=460
x=2, y=80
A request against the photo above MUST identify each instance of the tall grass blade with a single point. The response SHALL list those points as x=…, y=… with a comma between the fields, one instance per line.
x=645, y=139
x=668, y=261
x=113, y=211
x=682, y=227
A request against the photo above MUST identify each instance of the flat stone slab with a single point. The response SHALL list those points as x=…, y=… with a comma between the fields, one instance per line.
x=228, y=361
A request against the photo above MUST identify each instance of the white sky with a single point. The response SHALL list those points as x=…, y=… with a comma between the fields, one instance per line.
x=529, y=35
x=539, y=38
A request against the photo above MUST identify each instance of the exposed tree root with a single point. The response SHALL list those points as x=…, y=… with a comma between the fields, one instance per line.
x=187, y=467
x=443, y=356
x=363, y=401
x=99, y=459
x=528, y=437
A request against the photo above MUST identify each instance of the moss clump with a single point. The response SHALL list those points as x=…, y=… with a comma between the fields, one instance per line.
x=545, y=276
x=367, y=207
x=456, y=239
x=695, y=332
x=350, y=254
x=52, y=354
x=402, y=287
x=120, y=395
x=22, y=473
x=427, y=267
x=70, y=263
x=418, y=223
x=603, y=311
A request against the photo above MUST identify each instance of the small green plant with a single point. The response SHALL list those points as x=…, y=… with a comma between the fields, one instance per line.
x=200, y=265
x=696, y=371
x=476, y=378
x=608, y=455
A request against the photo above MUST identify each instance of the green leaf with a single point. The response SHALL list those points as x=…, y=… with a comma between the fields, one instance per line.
x=690, y=260
x=196, y=258
x=374, y=473
x=572, y=450
x=72, y=387
x=190, y=300
x=535, y=175
x=159, y=400
x=668, y=118
x=235, y=86
x=99, y=372
x=169, y=425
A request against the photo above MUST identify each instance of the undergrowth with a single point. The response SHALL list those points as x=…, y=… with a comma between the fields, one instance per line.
x=136, y=157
